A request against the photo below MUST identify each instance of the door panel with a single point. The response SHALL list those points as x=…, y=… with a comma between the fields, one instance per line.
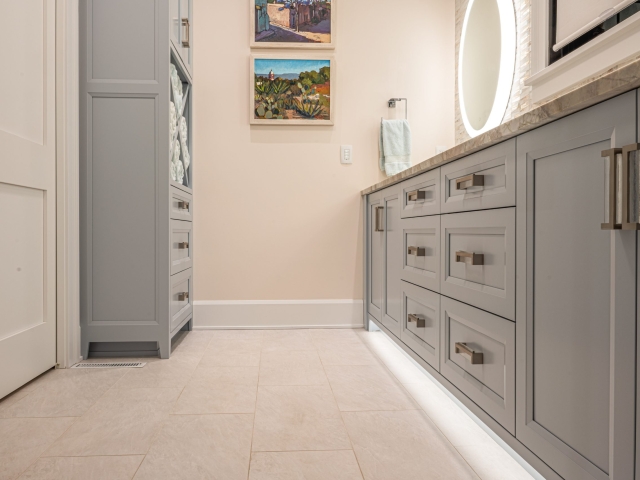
x=27, y=192
x=576, y=298
x=393, y=260
x=375, y=253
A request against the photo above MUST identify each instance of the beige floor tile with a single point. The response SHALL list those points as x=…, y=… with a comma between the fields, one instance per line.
x=206, y=375
x=491, y=462
x=291, y=418
x=229, y=359
x=234, y=345
x=65, y=393
x=352, y=354
x=287, y=341
x=336, y=336
x=200, y=447
x=363, y=388
x=452, y=421
x=171, y=373
x=292, y=368
x=11, y=399
x=336, y=465
x=403, y=445
x=22, y=441
x=122, y=422
x=254, y=334
x=223, y=398
x=84, y=468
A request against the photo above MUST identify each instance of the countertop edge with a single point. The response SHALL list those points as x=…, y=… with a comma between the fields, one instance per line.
x=613, y=83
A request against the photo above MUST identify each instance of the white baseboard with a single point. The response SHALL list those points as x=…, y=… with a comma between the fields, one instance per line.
x=277, y=314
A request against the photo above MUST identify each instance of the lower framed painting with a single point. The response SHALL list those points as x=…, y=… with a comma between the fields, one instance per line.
x=291, y=90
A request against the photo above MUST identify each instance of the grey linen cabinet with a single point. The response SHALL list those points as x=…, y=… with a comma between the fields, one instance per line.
x=136, y=175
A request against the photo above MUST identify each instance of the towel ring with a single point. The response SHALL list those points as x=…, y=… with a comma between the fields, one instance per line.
x=392, y=104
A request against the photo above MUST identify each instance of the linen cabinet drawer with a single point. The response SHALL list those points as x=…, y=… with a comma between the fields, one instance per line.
x=181, y=294
x=478, y=259
x=421, y=257
x=477, y=355
x=181, y=246
x=181, y=207
x=421, y=322
x=483, y=180
x=421, y=195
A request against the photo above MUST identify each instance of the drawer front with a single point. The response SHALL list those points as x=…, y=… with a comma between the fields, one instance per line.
x=181, y=297
x=478, y=259
x=421, y=195
x=421, y=322
x=181, y=207
x=484, y=180
x=421, y=251
x=477, y=355
x=181, y=246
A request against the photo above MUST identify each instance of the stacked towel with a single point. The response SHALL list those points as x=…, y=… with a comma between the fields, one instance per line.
x=395, y=146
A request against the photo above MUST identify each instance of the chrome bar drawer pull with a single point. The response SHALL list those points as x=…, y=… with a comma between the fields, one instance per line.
x=469, y=181
x=417, y=251
x=417, y=195
x=419, y=319
x=183, y=245
x=476, y=358
x=612, y=155
x=379, y=218
x=183, y=205
x=186, y=42
x=183, y=296
x=629, y=191
x=470, y=258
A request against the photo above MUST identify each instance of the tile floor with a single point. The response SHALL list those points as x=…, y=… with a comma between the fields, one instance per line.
x=257, y=405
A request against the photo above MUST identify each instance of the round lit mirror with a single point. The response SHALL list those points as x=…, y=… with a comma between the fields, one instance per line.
x=486, y=63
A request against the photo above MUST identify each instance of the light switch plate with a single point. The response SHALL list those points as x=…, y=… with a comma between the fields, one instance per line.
x=346, y=154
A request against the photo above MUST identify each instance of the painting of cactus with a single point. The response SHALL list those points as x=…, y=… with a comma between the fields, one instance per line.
x=287, y=90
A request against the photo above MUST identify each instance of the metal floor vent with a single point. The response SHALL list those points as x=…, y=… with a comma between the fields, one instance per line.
x=110, y=365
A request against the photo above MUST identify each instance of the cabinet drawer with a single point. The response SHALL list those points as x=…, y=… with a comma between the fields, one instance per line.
x=181, y=207
x=421, y=251
x=181, y=297
x=421, y=195
x=181, y=246
x=421, y=322
x=478, y=259
x=486, y=179
x=477, y=355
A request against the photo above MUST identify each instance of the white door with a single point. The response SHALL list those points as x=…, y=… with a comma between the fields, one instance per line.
x=27, y=191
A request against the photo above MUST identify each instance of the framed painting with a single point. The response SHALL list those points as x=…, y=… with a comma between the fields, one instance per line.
x=291, y=90
x=292, y=23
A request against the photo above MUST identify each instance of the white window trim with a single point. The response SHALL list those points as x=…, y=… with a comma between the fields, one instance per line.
x=615, y=47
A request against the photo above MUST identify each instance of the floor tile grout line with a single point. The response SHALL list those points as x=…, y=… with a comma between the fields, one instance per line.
x=255, y=410
x=343, y=422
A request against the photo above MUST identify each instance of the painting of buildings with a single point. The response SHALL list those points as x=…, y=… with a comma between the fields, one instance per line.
x=293, y=23
x=291, y=90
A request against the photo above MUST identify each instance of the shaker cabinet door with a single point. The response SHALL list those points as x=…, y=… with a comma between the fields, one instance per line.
x=375, y=249
x=576, y=296
x=175, y=22
x=392, y=261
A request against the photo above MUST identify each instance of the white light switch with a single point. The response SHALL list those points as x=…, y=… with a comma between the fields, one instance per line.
x=346, y=154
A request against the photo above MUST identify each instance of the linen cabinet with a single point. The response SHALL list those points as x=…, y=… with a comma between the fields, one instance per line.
x=577, y=302
x=136, y=174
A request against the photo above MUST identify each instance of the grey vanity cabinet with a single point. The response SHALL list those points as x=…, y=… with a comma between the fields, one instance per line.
x=181, y=28
x=385, y=258
x=576, y=296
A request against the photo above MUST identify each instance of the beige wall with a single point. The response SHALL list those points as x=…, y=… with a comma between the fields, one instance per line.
x=277, y=216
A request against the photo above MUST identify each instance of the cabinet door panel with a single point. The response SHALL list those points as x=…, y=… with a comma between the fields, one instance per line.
x=374, y=255
x=576, y=298
x=393, y=260
x=174, y=18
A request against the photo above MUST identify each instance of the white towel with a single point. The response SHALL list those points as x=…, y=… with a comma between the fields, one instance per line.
x=395, y=146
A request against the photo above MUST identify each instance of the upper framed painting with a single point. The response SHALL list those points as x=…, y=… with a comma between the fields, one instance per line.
x=292, y=24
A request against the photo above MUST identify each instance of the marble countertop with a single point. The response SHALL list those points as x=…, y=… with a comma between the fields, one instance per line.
x=615, y=81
